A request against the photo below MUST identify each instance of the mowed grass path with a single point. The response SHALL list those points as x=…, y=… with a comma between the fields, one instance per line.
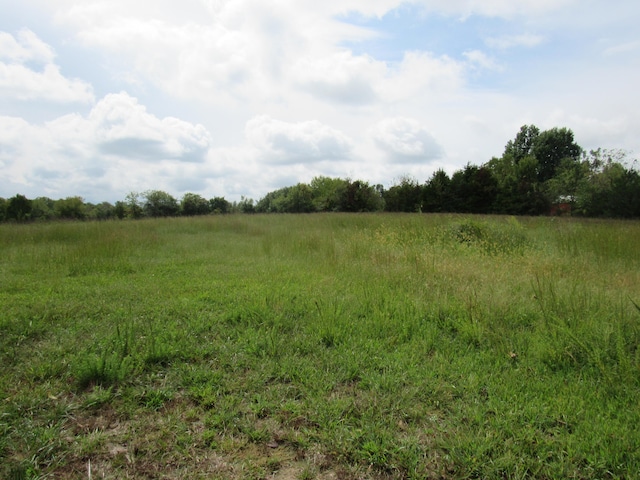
x=320, y=346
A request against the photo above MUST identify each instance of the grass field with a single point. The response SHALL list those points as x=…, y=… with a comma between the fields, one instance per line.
x=329, y=346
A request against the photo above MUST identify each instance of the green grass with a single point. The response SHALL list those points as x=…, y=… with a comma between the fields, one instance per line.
x=320, y=346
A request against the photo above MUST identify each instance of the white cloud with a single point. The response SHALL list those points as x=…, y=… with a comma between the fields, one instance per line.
x=479, y=59
x=505, y=42
x=495, y=8
x=341, y=77
x=406, y=140
x=250, y=70
x=20, y=81
x=124, y=128
x=109, y=150
x=25, y=47
x=290, y=143
x=421, y=74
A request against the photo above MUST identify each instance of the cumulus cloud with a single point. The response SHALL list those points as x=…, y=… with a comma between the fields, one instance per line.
x=341, y=77
x=109, y=149
x=124, y=128
x=27, y=72
x=302, y=142
x=406, y=140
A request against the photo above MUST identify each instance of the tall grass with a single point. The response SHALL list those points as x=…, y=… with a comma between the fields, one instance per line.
x=356, y=346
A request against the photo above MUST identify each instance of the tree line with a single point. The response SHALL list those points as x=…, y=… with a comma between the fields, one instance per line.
x=539, y=173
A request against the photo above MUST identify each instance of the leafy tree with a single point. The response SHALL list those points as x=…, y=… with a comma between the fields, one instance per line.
x=301, y=199
x=134, y=205
x=551, y=147
x=18, y=208
x=120, y=210
x=43, y=208
x=327, y=192
x=101, y=211
x=3, y=209
x=518, y=189
x=277, y=201
x=245, y=205
x=522, y=146
x=193, y=204
x=359, y=196
x=70, y=208
x=473, y=190
x=405, y=196
x=219, y=205
x=609, y=189
x=437, y=193
x=160, y=204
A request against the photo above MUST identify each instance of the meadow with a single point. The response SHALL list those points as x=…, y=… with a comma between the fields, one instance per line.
x=330, y=346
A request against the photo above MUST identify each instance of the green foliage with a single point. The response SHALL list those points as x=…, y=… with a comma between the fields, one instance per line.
x=18, y=208
x=70, y=208
x=219, y=205
x=159, y=204
x=406, y=196
x=550, y=148
x=523, y=145
x=492, y=238
x=194, y=204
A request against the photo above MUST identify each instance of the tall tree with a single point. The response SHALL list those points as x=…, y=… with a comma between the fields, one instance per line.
x=359, y=196
x=18, y=208
x=437, y=193
x=327, y=192
x=193, y=204
x=523, y=144
x=219, y=205
x=70, y=208
x=551, y=147
x=160, y=204
x=404, y=196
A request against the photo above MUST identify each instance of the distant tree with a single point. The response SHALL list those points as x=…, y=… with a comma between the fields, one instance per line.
x=405, y=196
x=473, y=190
x=522, y=146
x=70, y=208
x=609, y=189
x=18, y=208
x=327, y=193
x=159, y=204
x=120, y=210
x=359, y=196
x=246, y=205
x=277, y=201
x=518, y=189
x=3, y=209
x=43, y=208
x=101, y=211
x=551, y=147
x=301, y=199
x=219, y=205
x=437, y=193
x=134, y=205
x=194, y=204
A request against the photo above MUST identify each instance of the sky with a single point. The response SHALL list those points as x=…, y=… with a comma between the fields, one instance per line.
x=233, y=98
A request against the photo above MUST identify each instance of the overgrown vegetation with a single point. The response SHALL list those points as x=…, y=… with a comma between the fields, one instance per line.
x=322, y=346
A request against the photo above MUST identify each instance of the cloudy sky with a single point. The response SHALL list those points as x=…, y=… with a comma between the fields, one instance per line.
x=99, y=98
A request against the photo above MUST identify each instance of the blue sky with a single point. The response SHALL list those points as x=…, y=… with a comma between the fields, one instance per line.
x=240, y=97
